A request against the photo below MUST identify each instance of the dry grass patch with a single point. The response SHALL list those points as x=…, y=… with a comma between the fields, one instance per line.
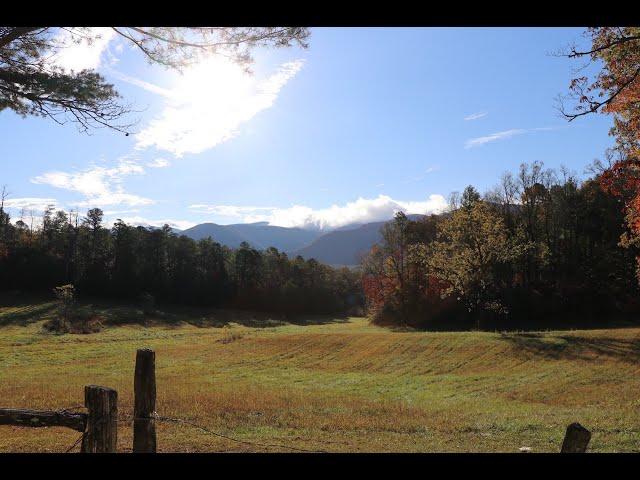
x=334, y=386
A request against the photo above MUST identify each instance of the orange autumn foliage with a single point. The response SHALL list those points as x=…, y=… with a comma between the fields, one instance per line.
x=615, y=91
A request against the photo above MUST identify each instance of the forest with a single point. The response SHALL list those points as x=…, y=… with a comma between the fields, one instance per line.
x=155, y=264
x=540, y=250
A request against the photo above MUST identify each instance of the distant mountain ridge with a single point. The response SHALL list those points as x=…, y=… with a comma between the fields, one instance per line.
x=260, y=235
x=341, y=246
x=346, y=246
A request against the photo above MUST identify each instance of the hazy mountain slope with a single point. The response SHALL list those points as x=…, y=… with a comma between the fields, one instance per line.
x=220, y=233
x=346, y=245
x=343, y=247
x=262, y=235
x=259, y=235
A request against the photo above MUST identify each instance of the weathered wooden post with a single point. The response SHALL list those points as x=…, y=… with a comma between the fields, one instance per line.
x=144, y=386
x=101, y=434
x=576, y=439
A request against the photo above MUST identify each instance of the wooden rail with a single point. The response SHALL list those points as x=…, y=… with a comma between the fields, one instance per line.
x=99, y=426
x=43, y=418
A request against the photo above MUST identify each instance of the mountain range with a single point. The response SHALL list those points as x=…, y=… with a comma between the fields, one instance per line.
x=259, y=235
x=340, y=246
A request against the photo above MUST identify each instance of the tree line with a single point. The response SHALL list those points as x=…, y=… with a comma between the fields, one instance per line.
x=539, y=250
x=134, y=262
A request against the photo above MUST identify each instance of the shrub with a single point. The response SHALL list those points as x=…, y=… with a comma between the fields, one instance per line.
x=69, y=318
x=148, y=303
x=65, y=295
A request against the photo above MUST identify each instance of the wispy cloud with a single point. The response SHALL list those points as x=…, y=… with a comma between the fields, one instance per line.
x=362, y=210
x=120, y=212
x=476, y=116
x=208, y=104
x=494, y=137
x=158, y=163
x=150, y=87
x=75, y=52
x=230, y=210
x=29, y=203
x=99, y=185
x=114, y=198
x=418, y=178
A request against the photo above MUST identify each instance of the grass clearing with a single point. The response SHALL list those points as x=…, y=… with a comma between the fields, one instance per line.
x=332, y=384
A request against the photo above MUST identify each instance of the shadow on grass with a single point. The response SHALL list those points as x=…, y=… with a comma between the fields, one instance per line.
x=573, y=347
x=23, y=313
x=24, y=309
x=253, y=319
x=116, y=313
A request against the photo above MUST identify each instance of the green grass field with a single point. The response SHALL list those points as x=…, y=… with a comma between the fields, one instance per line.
x=338, y=385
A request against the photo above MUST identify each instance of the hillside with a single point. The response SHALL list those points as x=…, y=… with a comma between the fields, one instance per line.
x=328, y=383
x=220, y=233
x=343, y=247
x=338, y=247
x=346, y=245
x=260, y=235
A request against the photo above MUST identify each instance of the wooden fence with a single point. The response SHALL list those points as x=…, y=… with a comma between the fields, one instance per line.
x=99, y=426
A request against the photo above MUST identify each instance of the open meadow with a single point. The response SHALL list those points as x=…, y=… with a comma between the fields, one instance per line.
x=336, y=385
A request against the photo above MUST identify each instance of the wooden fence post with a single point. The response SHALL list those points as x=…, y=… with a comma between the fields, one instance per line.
x=101, y=435
x=576, y=439
x=144, y=386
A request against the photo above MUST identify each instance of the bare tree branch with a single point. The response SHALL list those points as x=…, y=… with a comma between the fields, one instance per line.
x=595, y=106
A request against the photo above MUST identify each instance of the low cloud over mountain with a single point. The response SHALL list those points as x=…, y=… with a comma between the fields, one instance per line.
x=360, y=211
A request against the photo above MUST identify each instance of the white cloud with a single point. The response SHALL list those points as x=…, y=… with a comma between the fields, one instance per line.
x=83, y=55
x=114, y=198
x=158, y=163
x=99, y=185
x=111, y=213
x=146, y=222
x=475, y=116
x=230, y=210
x=362, y=210
x=208, y=103
x=150, y=87
x=29, y=203
x=476, y=142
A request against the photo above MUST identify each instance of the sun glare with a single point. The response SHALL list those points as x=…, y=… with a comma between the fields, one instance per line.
x=207, y=103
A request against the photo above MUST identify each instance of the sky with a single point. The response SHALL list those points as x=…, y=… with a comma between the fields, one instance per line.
x=365, y=122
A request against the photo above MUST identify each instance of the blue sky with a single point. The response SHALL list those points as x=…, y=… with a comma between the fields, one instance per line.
x=364, y=122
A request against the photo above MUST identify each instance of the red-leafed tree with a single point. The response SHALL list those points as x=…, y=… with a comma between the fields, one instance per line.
x=614, y=90
x=394, y=282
